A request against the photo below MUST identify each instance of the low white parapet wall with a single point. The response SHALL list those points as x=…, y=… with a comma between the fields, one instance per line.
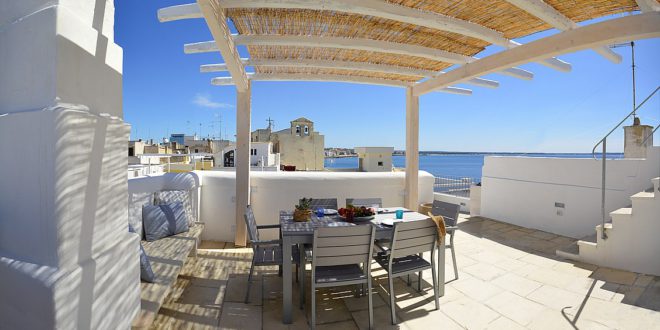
x=560, y=195
x=275, y=191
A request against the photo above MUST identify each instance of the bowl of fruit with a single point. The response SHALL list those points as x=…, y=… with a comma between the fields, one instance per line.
x=352, y=213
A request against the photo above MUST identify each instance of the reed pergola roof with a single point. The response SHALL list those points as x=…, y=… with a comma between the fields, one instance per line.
x=403, y=43
x=397, y=41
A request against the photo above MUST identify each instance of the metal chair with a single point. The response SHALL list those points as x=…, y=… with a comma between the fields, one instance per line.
x=449, y=213
x=368, y=202
x=267, y=252
x=336, y=257
x=404, y=256
x=326, y=203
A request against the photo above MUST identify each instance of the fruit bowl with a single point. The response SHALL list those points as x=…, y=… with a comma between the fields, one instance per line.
x=351, y=213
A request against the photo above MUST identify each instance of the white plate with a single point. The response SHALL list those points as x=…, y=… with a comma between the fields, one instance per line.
x=388, y=222
x=329, y=212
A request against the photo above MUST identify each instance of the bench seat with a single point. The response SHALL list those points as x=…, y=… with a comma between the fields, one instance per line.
x=167, y=256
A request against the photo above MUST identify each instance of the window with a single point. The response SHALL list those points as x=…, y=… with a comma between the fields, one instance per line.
x=298, y=130
x=196, y=150
x=306, y=130
x=380, y=164
x=131, y=152
x=253, y=152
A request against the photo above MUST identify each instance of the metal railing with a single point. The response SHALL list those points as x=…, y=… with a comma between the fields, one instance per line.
x=454, y=185
x=603, y=142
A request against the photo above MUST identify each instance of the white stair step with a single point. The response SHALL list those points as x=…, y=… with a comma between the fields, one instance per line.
x=623, y=214
x=587, y=243
x=642, y=199
x=643, y=195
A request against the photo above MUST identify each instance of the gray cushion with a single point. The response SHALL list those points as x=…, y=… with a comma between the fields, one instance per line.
x=146, y=273
x=135, y=203
x=163, y=220
x=173, y=196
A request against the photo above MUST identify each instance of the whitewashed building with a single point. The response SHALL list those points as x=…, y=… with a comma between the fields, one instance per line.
x=374, y=159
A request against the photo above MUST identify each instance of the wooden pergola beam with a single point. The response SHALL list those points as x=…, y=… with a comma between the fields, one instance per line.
x=228, y=81
x=216, y=20
x=616, y=30
x=344, y=65
x=550, y=15
x=353, y=44
x=175, y=13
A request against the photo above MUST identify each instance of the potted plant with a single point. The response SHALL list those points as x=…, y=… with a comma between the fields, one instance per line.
x=303, y=211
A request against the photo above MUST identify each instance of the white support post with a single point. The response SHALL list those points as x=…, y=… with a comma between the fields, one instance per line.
x=242, y=161
x=412, y=150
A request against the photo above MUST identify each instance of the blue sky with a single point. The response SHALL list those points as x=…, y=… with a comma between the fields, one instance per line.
x=164, y=93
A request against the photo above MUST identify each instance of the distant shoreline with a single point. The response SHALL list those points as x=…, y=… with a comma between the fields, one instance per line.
x=441, y=153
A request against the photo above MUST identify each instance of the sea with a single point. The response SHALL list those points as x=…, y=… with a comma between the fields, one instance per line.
x=455, y=164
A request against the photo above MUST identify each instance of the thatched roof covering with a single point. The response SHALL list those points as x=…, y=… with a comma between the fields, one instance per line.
x=498, y=15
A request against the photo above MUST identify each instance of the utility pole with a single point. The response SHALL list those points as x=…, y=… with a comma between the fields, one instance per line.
x=271, y=123
x=634, y=92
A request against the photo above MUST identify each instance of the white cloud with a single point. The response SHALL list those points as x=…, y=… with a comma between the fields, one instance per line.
x=204, y=100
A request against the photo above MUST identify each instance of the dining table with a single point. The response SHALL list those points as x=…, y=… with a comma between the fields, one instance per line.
x=301, y=233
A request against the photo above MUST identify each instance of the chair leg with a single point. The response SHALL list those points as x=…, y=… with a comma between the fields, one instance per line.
x=313, y=302
x=453, y=255
x=301, y=286
x=249, y=281
x=419, y=282
x=371, y=304
x=389, y=277
x=409, y=282
x=435, y=284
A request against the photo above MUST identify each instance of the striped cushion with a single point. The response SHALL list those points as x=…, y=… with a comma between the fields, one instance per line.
x=174, y=196
x=146, y=273
x=163, y=220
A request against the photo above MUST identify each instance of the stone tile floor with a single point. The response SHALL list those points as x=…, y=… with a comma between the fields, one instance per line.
x=510, y=278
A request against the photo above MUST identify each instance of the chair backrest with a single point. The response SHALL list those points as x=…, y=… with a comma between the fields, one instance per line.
x=413, y=237
x=448, y=211
x=251, y=223
x=368, y=202
x=343, y=246
x=326, y=203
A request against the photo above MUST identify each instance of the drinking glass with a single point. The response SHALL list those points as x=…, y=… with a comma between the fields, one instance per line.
x=399, y=214
x=320, y=212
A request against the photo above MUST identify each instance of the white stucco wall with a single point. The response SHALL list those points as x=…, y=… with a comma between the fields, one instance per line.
x=51, y=51
x=275, y=191
x=67, y=260
x=524, y=190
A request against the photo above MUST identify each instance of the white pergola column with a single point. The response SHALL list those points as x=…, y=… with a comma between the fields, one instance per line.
x=242, y=161
x=412, y=150
x=67, y=259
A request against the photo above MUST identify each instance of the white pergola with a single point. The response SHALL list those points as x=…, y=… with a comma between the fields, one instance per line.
x=416, y=79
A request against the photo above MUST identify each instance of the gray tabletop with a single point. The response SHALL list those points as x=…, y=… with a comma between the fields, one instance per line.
x=291, y=227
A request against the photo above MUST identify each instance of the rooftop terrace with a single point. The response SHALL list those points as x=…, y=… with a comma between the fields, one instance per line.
x=510, y=278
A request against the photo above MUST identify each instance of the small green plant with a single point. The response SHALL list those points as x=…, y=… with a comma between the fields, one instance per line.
x=305, y=204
